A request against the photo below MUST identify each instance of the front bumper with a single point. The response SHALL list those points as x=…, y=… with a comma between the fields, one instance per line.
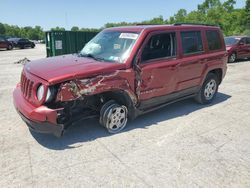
x=43, y=127
x=39, y=119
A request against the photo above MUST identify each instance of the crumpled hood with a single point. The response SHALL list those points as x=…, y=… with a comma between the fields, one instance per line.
x=67, y=67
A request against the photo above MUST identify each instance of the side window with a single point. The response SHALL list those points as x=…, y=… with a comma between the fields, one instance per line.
x=243, y=41
x=160, y=46
x=213, y=39
x=248, y=40
x=191, y=42
x=2, y=39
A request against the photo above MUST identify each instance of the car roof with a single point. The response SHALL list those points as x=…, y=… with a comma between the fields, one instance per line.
x=139, y=28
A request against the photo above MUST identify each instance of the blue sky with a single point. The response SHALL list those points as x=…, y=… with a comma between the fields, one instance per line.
x=89, y=13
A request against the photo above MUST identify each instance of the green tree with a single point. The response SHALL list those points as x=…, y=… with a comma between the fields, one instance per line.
x=58, y=29
x=2, y=29
x=208, y=5
x=229, y=5
x=179, y=17
x=247, y=13
x=75, y=28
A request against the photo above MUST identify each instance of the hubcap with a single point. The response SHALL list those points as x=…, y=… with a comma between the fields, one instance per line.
x=210, y=89
x=232, y=58
x=116, y=119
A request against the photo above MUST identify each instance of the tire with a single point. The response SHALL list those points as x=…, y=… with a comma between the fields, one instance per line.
x=232, y=58
x=10, y=47
x=208, y=90
x=113, y=117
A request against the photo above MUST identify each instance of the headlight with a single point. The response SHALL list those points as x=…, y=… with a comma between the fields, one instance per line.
x=40, y=93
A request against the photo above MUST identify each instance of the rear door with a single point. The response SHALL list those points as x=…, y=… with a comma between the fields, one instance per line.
x=158, y=65
x=193, y=59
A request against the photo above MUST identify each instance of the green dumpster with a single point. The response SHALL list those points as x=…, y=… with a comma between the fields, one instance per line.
x=66, y=42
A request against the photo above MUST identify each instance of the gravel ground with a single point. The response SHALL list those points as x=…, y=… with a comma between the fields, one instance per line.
x=182, y=145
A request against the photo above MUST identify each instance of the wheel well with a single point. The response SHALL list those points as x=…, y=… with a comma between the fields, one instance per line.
x=234, y=52
x=217, y=72
x=121, y=98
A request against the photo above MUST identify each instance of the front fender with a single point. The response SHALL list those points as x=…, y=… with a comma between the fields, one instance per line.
x=119, y=80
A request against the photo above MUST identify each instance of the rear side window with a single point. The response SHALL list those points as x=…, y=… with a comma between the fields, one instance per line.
x=191, y=42
x=213, y=40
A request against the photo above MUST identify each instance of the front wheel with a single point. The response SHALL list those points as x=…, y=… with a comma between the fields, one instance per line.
x=113, y=117
x=208, y=90
x=232, y=58
x=10, y=47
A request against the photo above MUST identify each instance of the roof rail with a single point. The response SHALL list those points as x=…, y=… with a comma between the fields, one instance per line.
x=184, y=23
x=138, y=24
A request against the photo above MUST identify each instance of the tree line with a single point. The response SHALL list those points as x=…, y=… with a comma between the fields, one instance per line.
x=231, y=20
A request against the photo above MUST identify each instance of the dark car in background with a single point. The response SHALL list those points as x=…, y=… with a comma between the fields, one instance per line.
x=4, y=43
x=21, y=43
x=238, y=47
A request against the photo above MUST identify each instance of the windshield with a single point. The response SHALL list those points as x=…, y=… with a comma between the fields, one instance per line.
x=112, y=46
x=231, y=40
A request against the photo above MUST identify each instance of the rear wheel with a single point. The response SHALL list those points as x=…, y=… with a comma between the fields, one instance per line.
x=232, y=58
x=208, y=90
x=113, y=117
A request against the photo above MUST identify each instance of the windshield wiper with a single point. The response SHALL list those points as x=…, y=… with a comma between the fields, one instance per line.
x=92, y=56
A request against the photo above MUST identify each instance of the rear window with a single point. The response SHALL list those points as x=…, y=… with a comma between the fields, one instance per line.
x=213, y=39
x=191, y=42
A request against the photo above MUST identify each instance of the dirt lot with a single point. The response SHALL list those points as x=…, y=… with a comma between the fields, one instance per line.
x=182, y=145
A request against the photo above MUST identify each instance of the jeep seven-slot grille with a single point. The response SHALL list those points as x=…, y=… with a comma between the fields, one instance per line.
x=26, y=86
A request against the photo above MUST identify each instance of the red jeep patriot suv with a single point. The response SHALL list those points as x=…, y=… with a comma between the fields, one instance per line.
x=122, y=73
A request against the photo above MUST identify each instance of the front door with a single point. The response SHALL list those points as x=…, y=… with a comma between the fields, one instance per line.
x=248, y=47
x=243, y=48
x=158, y=66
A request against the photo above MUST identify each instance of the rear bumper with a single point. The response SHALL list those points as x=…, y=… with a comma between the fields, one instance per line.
x=39, y=119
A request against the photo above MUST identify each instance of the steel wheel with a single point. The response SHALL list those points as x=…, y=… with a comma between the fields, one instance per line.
x=9, y=47
x=232, y=58
x=210, y=89
x=114, y=116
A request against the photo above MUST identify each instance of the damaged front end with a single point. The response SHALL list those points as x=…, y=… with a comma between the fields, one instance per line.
x=83, y=98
